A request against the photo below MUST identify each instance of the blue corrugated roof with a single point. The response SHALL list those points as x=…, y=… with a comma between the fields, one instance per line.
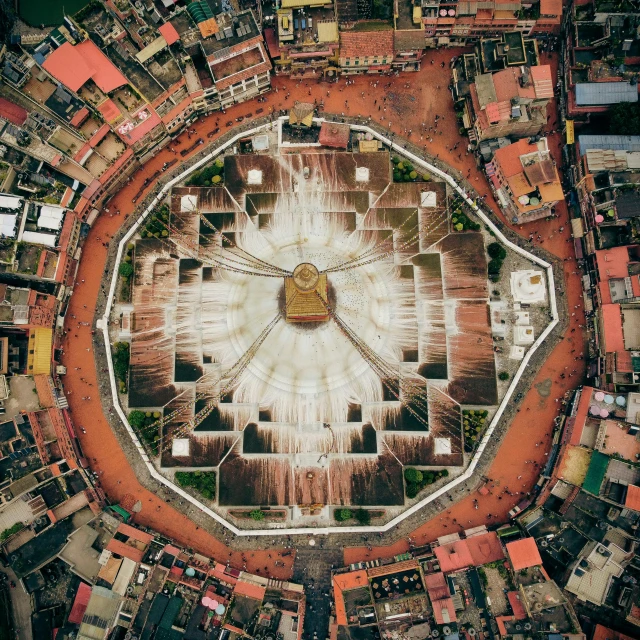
x=615, y=143
x=604, y=93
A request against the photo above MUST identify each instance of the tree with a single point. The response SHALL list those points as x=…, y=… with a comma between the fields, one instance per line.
x=426, y=177
x=343, y=514
x=257, y=515
x=137, y=419
x=503, y=375
x=624, y=119
x=125, y=269
x=412, y=490
x=496, y=250
x=494, y=266
x=363, y=517
x=413, y=475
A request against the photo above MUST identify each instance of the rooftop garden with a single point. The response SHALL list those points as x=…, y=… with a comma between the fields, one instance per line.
x=210, y=176
x=416, y=480
x=204, y=482
x=157, y=225
x=404, y=171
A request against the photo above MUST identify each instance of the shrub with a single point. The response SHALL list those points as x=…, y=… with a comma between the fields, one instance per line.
x=216, y=179
x=494, y=266
x=412, y=490
x=202, y=481
x=363, y=517
x=426, y=177
x=342, y=514
x=496, y=250
x=121, y=357
x=503, y=375
x=126, y=269
x=137, y=419
x=257, y=515
x=412, y=475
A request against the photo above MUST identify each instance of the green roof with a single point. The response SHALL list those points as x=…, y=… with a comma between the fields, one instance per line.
x=123, y=512
x=595, y=473
x=171, y=612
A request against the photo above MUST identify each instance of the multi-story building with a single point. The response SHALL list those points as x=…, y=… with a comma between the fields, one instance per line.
x=305, y=36
x=453, y=24
x=511, y=102
x=600, y=52
x=366, y=51
x=525, y=180
x=236, y=57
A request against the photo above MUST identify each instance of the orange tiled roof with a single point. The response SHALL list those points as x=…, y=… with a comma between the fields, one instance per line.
x=551, y=8
x=366, y=44
x=485, y=548
x=519, y=185
x=169, y=32
x=519, y=612
x=524, y=553
x=612, y=327
x=632, y=500
x=542, y=80
x=454, y=556
x=250, y=590
x=506, y=85
x=509, y=157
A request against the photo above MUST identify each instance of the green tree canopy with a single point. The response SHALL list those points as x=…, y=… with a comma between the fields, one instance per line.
x=624, y=119
x=413, y=475
x=125, y=269
x=137, y=419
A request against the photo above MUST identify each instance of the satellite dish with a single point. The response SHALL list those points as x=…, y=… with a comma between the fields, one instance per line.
x=446, y=631
x=471, y=631
x=220, y=609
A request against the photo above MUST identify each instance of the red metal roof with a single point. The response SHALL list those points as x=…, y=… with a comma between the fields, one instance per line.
x=551, y=8
x=79, y=117
x=366, y=44
x=73, y=66
x=272, y=43
x=124, y=550
x=524, y=553
x=250, y=590
x=485, y=548
x=334, y=135
x=12, y=112
x=632, y=500
x=542, y=80
x=137, y=133
x=109, y=110
x=80, y=603
x=612, y=327
x=454, y=556
x=105, y=74
x=519, y=612
x=604, y=633
x=169, y=33
x=68, y=66
x=444, y=611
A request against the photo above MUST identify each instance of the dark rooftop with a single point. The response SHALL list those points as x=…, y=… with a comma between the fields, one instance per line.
x=230, y=26
x=139, y=77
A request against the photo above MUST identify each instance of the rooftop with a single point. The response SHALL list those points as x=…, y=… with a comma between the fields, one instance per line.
x=605, y=93
x=523, y=554
x=366, y=44
x=75, y=65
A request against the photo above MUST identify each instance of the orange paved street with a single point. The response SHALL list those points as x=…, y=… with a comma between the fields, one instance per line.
x=405, y=108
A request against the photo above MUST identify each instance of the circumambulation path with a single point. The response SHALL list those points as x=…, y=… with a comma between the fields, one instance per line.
x=515, y=468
